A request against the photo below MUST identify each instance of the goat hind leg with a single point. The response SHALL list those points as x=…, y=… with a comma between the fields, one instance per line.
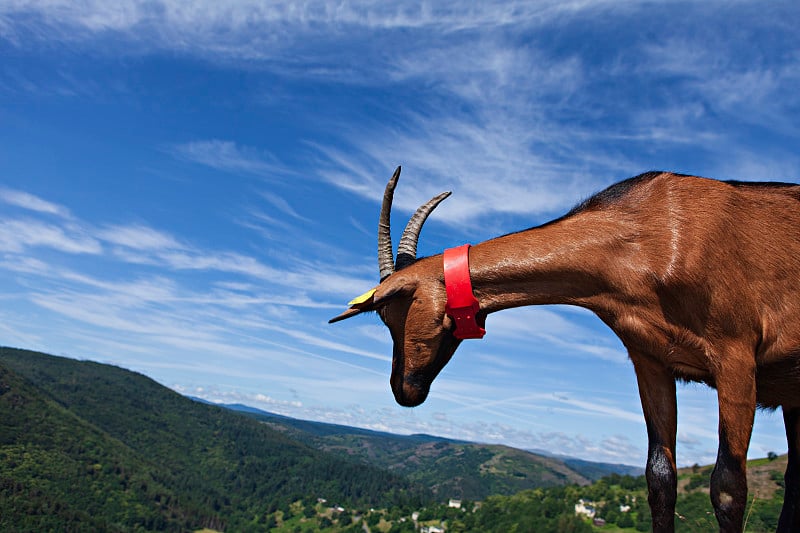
x=790, y=514
x=737, y=405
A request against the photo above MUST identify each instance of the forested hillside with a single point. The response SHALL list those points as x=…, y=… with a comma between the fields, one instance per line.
x=87, y=443
x=451, y=469
x=86, y=446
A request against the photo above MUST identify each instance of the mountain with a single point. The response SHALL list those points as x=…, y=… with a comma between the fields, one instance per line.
x=70, y=430
x=595, y=471
x=450, y=468
x=86, y=446
x=109, y=449
x=53, y=466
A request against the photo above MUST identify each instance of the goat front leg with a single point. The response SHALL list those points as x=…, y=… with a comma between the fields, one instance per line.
x=790, y=514
x=657, y=392
x=736, y=393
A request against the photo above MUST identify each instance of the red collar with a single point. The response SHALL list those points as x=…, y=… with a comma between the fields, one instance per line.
x=461, y=302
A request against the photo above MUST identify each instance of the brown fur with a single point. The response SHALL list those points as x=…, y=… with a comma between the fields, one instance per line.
x=698, y=278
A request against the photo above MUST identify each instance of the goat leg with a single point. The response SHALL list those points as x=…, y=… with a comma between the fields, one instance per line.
x=737, y=404
x=657, y=392
x=790, y=514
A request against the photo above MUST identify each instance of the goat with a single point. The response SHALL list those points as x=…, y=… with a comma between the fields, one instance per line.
x=697, y=277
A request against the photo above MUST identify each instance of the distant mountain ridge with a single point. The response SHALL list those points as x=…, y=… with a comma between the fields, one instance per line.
x=450, y=467
x=90, y=444
x=592, y=469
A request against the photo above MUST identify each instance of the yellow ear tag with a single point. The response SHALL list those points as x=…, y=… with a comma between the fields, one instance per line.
x=361, y=299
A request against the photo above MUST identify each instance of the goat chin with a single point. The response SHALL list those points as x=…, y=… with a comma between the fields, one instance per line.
x=410, y=394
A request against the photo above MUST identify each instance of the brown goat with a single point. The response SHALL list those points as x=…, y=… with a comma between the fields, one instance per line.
x=697, y=277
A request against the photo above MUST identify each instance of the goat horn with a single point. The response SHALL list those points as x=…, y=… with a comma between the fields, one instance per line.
x=407, y=249
x=385, y=257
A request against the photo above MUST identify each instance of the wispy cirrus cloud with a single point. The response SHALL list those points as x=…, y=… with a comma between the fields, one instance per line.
x=18, y=235
x=559, y=330
x=229, y=157
x=168, y=23
x=140, y=244
x=31, y=202
x=138, y=237
x=282, y=206
x=514, y=127
x=146, y=285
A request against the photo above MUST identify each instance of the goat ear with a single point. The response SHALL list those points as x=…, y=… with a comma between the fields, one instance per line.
x=353, y=311
x=374, y=298
x=358, y=305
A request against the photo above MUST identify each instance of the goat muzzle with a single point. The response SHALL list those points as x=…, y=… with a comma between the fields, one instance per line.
x=410, y=391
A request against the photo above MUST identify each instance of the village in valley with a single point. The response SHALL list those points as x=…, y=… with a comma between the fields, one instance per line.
x=600, y=505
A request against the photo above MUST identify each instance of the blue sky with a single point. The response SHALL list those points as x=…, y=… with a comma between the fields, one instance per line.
x=190, y=190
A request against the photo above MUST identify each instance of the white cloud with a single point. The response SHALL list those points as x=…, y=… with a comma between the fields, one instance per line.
x=31, y=202
x=22, y=234
x=558, y=328
x=281, y=205
x=512, y=126
x=226, y=28
x=600, y=409
x=298, y=284
x=229, y=157
x=16, y=336
x=147, y=286
x=316, y=341
x=138, y=237
x=27, y=265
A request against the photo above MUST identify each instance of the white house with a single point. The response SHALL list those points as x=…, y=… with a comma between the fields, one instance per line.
x=585, y=508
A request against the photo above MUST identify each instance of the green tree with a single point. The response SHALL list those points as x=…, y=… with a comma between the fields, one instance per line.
x=643, y=517
x=403, y=527
x=625, y=520
x=611, y=516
